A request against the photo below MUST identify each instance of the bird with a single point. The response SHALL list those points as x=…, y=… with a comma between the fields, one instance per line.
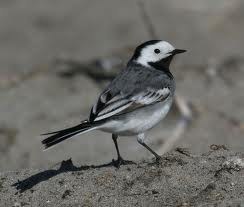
x=136, y=100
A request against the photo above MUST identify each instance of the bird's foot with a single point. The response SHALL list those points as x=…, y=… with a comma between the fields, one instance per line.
x=158, y=159
x=120, y=161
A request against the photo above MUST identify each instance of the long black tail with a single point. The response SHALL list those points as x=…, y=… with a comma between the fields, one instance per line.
x=59, y=136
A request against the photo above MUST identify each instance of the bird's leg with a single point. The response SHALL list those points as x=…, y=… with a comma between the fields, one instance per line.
x=120, y=160
x=115, y=137
x=141, y=140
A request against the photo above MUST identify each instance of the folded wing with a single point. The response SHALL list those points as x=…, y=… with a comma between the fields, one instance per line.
x=109, y=105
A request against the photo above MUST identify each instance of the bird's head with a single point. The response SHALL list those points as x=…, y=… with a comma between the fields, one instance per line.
x=155, y=53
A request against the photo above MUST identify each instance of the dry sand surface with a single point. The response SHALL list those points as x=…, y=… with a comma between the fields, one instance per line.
x=182, y=179
x=36, y=96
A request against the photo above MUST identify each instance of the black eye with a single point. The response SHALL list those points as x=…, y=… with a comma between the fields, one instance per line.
x=157, y=51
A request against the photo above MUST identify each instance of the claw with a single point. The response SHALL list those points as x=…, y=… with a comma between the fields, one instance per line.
x=158, y=159
x=120, y=161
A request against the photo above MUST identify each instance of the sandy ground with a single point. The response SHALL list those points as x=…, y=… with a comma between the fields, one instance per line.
x=35, y=97
x=181, y=179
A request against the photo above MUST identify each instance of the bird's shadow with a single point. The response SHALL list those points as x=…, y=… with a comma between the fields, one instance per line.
x=66, y=166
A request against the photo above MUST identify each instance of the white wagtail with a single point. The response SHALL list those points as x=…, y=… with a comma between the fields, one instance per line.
x=134, y=102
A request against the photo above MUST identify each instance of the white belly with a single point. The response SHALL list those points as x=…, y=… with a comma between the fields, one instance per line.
x=139, y=120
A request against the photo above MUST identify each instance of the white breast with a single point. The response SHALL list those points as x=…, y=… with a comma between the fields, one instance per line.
x=138, y=121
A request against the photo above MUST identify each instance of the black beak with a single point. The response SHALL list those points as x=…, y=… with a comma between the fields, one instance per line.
x=177, y=51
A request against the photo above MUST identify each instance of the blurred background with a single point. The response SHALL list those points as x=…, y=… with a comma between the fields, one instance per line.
x=56, y=57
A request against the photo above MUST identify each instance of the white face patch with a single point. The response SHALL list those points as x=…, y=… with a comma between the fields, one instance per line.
x=154, y=53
